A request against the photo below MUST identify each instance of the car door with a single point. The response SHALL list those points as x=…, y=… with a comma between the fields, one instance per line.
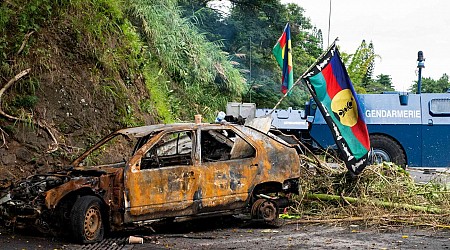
x=228, y=166
x=164, y=181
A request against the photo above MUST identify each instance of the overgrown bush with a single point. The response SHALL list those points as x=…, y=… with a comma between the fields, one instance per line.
x=203, y=79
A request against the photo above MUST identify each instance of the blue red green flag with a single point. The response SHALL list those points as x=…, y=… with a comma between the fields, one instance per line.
x=283, y=53
x=333, y=91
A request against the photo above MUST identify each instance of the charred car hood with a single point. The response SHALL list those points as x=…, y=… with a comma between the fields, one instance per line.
x=32, y=187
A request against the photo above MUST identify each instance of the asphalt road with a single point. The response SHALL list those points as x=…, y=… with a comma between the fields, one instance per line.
x=440, y=175
x=233, y=233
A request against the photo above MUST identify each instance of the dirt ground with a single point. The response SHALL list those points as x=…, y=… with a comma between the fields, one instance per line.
x=232, y=233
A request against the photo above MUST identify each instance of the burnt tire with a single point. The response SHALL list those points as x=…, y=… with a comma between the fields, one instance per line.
x=267, y=212
x=387, y=149
x=87, y=220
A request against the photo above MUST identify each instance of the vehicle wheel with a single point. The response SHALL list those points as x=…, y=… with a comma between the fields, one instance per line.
x=386, y=149
x=86, y=220
x=267, y=211
x=255, y=208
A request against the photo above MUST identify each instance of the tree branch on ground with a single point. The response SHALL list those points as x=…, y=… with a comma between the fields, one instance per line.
x=25, y=41
x=40, y=124
x=3, y=133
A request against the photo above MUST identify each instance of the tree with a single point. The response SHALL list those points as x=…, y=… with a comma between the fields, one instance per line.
x=370, y=65
x=360, y=66
x=430, y=85
x=381, y=84
x=385, y=80
x=257, y=43
x=252, y=29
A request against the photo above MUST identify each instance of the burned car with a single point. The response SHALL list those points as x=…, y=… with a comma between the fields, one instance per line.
x=143, y=175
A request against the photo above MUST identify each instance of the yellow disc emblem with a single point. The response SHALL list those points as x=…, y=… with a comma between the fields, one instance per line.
x=345, y=108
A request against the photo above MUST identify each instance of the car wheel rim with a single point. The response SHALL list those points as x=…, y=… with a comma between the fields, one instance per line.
x=255, y=209
x=92, y=222
x=380, y=155
x=268, y=211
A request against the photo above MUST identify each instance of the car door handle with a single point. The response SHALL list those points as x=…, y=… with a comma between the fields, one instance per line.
x=254, y=165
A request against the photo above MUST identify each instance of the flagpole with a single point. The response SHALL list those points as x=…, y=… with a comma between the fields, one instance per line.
x=300, y=79
x=284, y=96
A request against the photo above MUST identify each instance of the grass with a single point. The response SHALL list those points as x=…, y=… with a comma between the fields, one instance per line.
x=184, y=73
x=202, y=77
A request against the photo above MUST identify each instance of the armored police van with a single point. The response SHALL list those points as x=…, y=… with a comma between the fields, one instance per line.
x=407, y=129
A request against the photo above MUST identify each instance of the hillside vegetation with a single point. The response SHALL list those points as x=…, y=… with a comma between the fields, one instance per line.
x=96, y=66
x=72, y=71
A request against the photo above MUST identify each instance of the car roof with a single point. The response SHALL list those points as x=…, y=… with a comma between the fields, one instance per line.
x=146, y=130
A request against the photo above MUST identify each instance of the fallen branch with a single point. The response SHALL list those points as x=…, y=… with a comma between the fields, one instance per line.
x=3, y=138
x=25, y=40
x=348, y=219
x=422, y=224
x=387, y=204
x=344, y=199
x=40, y=124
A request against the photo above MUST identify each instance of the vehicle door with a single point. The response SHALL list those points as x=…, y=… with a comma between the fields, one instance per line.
x=435, y=130
x=164, y=180
x=229, y=168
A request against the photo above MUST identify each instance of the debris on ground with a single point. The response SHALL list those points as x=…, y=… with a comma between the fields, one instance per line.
x=382, y=194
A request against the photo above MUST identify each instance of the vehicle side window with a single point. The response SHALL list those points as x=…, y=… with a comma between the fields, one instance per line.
x=172, y=149
x=224, y=144
x=440, y=107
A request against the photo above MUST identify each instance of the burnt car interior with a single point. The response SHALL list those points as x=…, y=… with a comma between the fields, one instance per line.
x=172, y=149
x=175, y=148
x=219, y=145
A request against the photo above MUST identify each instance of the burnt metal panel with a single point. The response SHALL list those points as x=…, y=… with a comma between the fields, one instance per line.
x=208, y=186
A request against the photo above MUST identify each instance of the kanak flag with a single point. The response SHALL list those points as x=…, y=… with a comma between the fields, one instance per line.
x=336, y=98
x=283, y=53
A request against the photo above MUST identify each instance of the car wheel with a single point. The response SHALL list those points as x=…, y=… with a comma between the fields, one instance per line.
x=267, y=211
x=86, y=220
x=386, y=149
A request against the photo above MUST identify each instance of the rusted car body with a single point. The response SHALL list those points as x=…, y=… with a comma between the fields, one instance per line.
x=159, y=172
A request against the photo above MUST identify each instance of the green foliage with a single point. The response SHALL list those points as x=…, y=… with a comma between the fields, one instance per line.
x=249, y=33
x=9, y=129
x=206, y=79
x=157, y=84
x=95, y=32
x=385, y=81
x=25, y=101
x=381, y=84
x=367, y=78
x=360, y=66
x=18, y=18
x=111, y=42
x=127, y=117
x=379, y=189
x=429, y=85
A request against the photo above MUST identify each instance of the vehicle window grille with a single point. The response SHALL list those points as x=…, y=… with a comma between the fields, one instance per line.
x=440, y=106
